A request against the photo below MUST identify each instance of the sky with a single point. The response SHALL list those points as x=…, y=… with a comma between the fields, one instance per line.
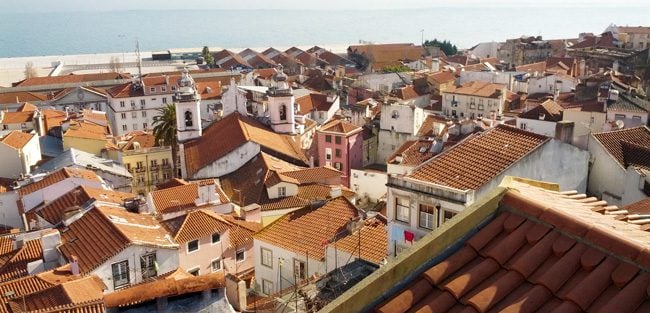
x=16, y=6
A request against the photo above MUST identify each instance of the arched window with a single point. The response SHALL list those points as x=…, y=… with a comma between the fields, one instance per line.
x=283, y=112
x=188, y=118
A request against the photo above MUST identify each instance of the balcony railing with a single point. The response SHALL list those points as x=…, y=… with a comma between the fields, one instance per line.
x=141, y=169
x=154, y=167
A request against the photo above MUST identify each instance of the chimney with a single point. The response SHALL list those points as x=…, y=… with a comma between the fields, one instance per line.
x=564, y=131
x=74, y=265
x=335, y=192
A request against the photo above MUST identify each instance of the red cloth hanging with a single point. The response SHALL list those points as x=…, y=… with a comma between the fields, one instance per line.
x=409, y=236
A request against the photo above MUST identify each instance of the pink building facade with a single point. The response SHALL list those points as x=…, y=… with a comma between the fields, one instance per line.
x=340, y=145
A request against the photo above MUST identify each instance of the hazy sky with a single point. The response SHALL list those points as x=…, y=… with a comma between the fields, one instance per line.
x=9, y=6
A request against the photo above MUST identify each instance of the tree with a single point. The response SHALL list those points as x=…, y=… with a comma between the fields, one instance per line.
x=444, y=45
x=164, y=129
x=396, y=69
x=207, y=56
x=30, y=70
x=115, y=64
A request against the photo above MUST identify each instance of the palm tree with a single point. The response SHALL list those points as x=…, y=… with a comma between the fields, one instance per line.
x=164, y=129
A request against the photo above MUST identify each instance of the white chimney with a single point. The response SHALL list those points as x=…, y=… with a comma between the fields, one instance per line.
x=336, y=192
x=74, y=265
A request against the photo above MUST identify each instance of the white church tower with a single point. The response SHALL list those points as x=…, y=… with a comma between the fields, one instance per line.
x=188, y=114
x=281, y=104
x=234, y=100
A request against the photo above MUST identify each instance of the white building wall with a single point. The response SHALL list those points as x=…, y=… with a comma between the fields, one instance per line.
x=545, y=128
x=607, y=176
x=633, y=186
x=227, y=164
x=505, y=78
x=585, y=123
x=630, y=119
x=369, y=185
x=135, y=115
x=486, y=49
x=548, y=84
x=167, y=260
x=12, y=165
x=464, y=107
x=56, y=190
x=9, y=210
x=389, y=141
x=31, y=154
x=273, y=274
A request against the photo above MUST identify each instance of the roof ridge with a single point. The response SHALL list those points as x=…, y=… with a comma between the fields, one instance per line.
x=118, y=230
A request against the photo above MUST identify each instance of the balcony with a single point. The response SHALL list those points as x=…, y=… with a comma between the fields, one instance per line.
x=141, y=169
x=167, y=166
x=154, y=167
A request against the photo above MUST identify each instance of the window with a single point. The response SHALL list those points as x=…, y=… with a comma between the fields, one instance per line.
x=134, y=114
x=195, y=271
x=121, y=104
x=216, y=237
x=522, y=126
x=402, y=207
x=240, y=255
x=636, y=117
x=480, y=106
x=427, y=212
x=472, y=105
x=144, y=113
x=283, y=112
x=619, y=116
x=328, y=138
x=135, y=126
x=328, y=153
x=148, y=266
x=267, y=287
x=192, y=246
x=173, y=88
x=152, y=89
x=164, y=100
x=143, y=101
x=128, y=166
x=267, y=257
x=216, y=265
x=132, y=103
x=337, y=140
x=144, y=125
x=165, y=161
x=123, y=127
x=120, y=274
x=337, y=165
x=123, y=115
x=453, y=112
x=446, y=215
x=166, y=176
x=188, y=119
x=139, y=164
x=282, y=191
x=163, y=89
x=299, y=269
x=337, y=153
x=5, y=126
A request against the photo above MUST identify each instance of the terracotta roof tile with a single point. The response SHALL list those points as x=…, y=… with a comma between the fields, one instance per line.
x=341, y=127
x=627, y=146
x=303, y=231
x=548, y=111
x=80, y=291
x=57, y=176
x=441, y=77
x=407, y=93
x=209, y=90
x=21, y=96
x=313, y=102
x=17, y=117
x=539, y=67
x=174, y=182
x=179, y=198
x=479, y=158
x=17, y=139
x=72, y=78
x=174, y=284
x=239, y=129
x=13, y=264
x=373, y=237
x=54, y=211
x=313, y=174
x=87, y=130
x=27, y=107
x=433, y=126
x=479, y=89
x=102, y=232
x=518, y=263
x=53, y=118
x=413, y=153
x=196, y=224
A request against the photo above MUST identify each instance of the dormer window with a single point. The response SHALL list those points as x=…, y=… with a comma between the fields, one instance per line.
x=188, y=119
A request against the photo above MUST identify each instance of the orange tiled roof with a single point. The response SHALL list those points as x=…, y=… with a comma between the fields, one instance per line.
x=209, y=90
x=87, y=130
x=412, y=153
x=407, y=93
x=80, y=291
x=21, y=96
x=72, y=78
x=239, y=130
x=478, y=89
x=174, y=182
x=27, y=107
x=634, y=29
x=427, y=129
x=13, y=264
x=176, y=283
x=196, y=224
x=629, y=146
x=265, y=73
x=441, y=77
x=17, y=139
x=373, y=238
x=53, y=118
x=313, y=102
x=313, y=174
x=479, y=158
x=57, y=176
x=539, y=67
x=305, y=231
x=175, y=199
x=17, y=117
x=551, y=111
x=20, y=287
x=144, y=139
x=341, y=127
x=542, y=252
x=103, y=232
x=53, y=211
x=241, y=232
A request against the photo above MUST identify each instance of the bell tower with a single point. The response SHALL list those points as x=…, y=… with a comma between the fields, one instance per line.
x=281, y=104
x=188, y=113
